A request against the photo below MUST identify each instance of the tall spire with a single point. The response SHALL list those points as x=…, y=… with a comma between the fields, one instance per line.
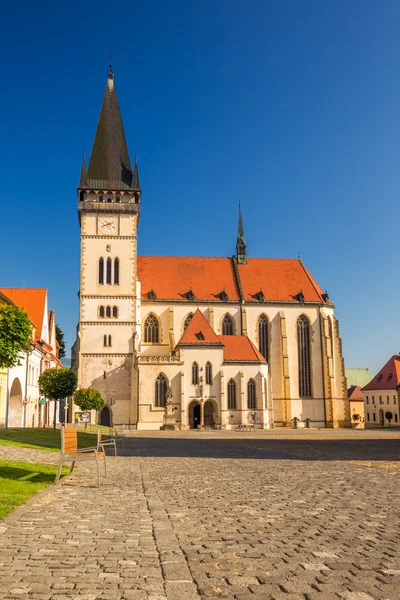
x=241, y=242
x=109, y=165
x=83, y=177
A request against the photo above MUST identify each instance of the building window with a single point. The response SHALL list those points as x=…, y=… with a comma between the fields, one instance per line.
x=195, y=373
x=109, y=199
x=373, y=399
x=161, y=390
x=209, y=373
x=304, y=352
x=263, y=336
x=101, y=312
x=367, y=399
x=151, y=330
x=101, y=198
x=373, y=416
x=108, y=311
x=105, y=341
x=394, y=399
x=187, y=321
x=231, y=394
x=227, y=325
x=388, y=399
x=117, y=199
x=367, y=416
x=116, y=271
x=395, y=418
x=108, y=271
x=101, y=270
x=380, y=400
x=251, y=394
x=115, y=312
x=109, y=341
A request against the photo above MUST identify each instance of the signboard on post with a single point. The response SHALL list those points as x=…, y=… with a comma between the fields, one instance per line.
x=82, y=417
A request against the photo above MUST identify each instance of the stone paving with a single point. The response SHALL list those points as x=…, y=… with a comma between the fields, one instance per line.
x=275, y=515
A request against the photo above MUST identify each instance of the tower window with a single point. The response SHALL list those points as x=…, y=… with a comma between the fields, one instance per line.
x=115, y=312
x=101, y=198
x=195, y=373
x=101, y=270
x=105, y=341
x=227, y=325
x=116, y=271
x=263, y=336
x=209, y=373
x=108, y=273
x=108, y=311
x=231, y=394
x=109, y=341
x=101, y=312
x=117, y=199
x=109, y=199
x=251, y=394
x=304, y=356
x=151, y=330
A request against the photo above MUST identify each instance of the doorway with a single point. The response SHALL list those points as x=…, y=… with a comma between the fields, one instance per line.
x=105, y=417
x=194, y=415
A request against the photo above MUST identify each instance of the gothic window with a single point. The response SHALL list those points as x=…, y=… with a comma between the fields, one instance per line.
x=231, y=394
x=101, y=270
x=109, y=341
x=100, y=198
x=209, y=373
x=187, y=320
x=105, y=341
x=115, y=312
x=227, y=325
x=108, y=271
x=304, y=352
x=108, y=311
x=161, y=390
x=251, y=394
x=151, y=330
x=116, y=271
x=263, y=336
x=195, y=373
x=101, y=312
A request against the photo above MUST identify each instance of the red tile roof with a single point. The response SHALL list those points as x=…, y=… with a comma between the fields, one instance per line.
x=280, y=279
x=171, y=277
x=388, y=377
x=197, y=329
x=240, y=348
x=33, y=300
x=354, y=393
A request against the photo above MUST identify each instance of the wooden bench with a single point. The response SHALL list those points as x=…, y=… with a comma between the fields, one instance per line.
x=108, y=441
x=71, y=452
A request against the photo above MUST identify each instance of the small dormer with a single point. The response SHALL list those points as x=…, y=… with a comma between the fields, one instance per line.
x=151, y=295
x=224, y=296
x=190, y=295
x=260, y=296
x=300, y=297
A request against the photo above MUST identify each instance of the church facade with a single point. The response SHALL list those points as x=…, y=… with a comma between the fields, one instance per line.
x=194, y=341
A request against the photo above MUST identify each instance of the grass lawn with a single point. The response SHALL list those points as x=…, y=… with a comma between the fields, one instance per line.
x=19, y=481
x=43, y=439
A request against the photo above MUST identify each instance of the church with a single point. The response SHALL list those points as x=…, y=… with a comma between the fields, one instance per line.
x=194, y=342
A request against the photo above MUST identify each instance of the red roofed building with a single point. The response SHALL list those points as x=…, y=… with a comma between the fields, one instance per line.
x=381, y=395
x=264, y=327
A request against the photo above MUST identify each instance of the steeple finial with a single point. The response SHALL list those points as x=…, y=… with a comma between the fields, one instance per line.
x=83, y=177
x=241, y=242
x=110, y=73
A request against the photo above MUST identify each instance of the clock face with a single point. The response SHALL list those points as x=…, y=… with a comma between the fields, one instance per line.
x=108, y=224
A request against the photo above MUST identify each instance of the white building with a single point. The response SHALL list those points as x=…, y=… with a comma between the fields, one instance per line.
x=135, y=318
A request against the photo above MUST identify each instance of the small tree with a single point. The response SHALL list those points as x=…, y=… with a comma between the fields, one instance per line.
x=389, y=416
x=57, y=384
x=356, y=417
x=60, y=340
x=15, y=335
x=89, y=399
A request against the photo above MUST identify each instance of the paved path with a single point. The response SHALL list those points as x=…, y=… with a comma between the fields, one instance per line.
x=296, y=515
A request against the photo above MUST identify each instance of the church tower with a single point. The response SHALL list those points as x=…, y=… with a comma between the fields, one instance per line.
x=241, y=242
x=108, y=209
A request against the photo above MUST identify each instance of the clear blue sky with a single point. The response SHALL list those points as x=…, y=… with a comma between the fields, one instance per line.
x=292, y=106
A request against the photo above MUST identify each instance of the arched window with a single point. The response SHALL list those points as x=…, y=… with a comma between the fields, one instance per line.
x=108, y=311
x=227, y=325
x=304, y=352
x=101, y=270
x=109, y=341
x=108, y=271
x=251, y=394
x=231, y=394
x=195, y=373
x=187, y=320
x=101, y=312
x=151, y=330
x=116, y=271
x=115, y=312
x=209, y=373
x=263, y=336
x=105, y=341
x=161, y=390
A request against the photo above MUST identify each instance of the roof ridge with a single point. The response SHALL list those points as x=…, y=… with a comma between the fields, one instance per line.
x=311, y=279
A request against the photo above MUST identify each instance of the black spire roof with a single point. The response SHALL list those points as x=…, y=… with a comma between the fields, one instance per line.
x=109, y=165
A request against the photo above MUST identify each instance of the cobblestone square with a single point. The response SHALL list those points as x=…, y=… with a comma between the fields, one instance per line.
x=271, y=515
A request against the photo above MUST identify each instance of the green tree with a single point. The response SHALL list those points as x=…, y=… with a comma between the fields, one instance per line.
x=57, y=384
x=60, y=340
x=89, y=399
x=15, y=335
x=356, y=417
x=389, y=416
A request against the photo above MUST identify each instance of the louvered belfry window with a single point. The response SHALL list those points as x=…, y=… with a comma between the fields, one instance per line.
x=227, y=325
x=231, y=394
x=116, y=271
x=304, y=352
x=151, y=330
x=161, y=390
x=101, y=270
x=263, y=336
x=251, y=394
x=108, y=271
